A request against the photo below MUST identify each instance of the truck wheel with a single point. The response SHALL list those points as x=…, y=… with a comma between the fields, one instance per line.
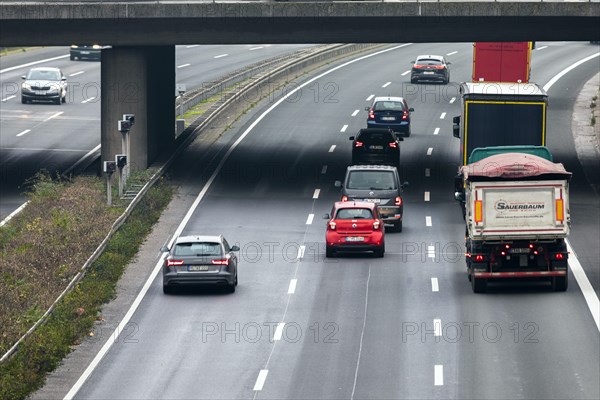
x=478, y=284
x=560, y=283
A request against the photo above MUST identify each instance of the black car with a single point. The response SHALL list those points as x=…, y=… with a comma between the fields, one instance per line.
x=376, y=146
x=430, y=68
x=390, y=113
x=196, y=260
x=85, y=52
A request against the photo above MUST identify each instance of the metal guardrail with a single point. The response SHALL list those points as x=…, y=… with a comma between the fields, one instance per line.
x=316, y=56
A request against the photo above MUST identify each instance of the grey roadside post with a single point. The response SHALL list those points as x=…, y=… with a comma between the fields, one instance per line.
x=109, y=168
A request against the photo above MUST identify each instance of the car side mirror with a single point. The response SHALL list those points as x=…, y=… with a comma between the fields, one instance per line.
x=351, y=138
x=456, y=127
x=367, y=108
x=164, y=249
x=399, y=138
x=337, y=184
x=235, y=248
x=23, y=77
x=412, y=62
x=459, y=196
x=448, y=63
x=326, y=216
x=404, y=185
x=411, y=109
x=64, y=79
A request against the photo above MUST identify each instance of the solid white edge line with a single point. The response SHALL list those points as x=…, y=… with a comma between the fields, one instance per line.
x=256, y=48
x=591, y=298
x=438, y=379
x=260, y=380
x=355, y=113
x=386, y=84
x=32, y=63
x=437, y=327
x=426, y=196
x=76, y=73
x=370, y=97
x=12, y=214
x=435, y=287
x=191, y=46
x=332, y=148
x=452, y=100
x=362, y=334
x=436, y=131
x=428, y=220
x=88, y=371
x=316, y=193
x=279, y=331
x=555, y=79
x=24, y=132
x=310, y=218
x=451, y=53
x=443, y=115
x=405, y=73
x=344, y=128
x=183, y=65
x=88, y=100
x=292, y=288
x=221, y=56
x=301, y=250
x=324, y=170
x=541, y=48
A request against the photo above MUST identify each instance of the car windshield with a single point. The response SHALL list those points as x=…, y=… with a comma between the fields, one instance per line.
x=354, y=213
x=371, y=180
x=376, y=137
x=43, y=75
x=388, y=105
x=428, y=61
x=198, y=249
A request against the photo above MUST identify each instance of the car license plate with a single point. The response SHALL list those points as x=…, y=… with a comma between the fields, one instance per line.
x=388, y=118
x=355, y=239
x=375, y=147
x=519, y=250
x=373, y=200
x=85, y=52
x=198, y=268
x=40, y=92
x=428, y=72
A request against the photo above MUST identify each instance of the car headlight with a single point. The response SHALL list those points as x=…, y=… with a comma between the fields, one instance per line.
x=74, y=46
x=26, y=86
x=96, y=46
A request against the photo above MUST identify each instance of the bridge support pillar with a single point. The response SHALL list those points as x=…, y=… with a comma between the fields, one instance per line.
x=139, y=81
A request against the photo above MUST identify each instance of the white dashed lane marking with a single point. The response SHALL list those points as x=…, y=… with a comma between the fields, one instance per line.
x=24, y=132
x=301, y=250
x=256, y=48
x=54, y=116
x=427, y=172
x=183, y=66
x=452, y=100
x=426, y=196
x=279, y=331
x=344, y=128
x=437, y=327
x=405, y=73
x=436, y=131
x=332, y=148
x=355, y=113
x=370, y=97
x=76, y=73
x=292, y=288
x=435, y=287
x=428, y=220
x=451, y=53
x=438, y=379
x=443, y=115
x=541, y=48
x=87, y=100
x=386, y=84
x=324, y=170
x=310, y=218
x=316, y=193
x=8, y=98
x=429, y=151
x=431, y=251
x=221, y=56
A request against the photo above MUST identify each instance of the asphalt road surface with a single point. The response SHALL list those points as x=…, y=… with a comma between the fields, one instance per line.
x=403, y=327
x=46, y=136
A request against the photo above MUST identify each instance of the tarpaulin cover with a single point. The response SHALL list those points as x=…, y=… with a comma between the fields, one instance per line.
x=513, y=165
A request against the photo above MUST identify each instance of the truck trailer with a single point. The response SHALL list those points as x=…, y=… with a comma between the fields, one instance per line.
x=501, y=61
x=517, y=219
x=500, y=114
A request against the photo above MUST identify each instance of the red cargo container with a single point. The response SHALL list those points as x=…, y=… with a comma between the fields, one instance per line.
x=501, y=61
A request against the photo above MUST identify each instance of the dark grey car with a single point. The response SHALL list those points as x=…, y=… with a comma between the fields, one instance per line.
x=378, y=184
x=196, y=260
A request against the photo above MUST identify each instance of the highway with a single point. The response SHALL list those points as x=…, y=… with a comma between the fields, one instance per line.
x=403, y=327
x=46, y=136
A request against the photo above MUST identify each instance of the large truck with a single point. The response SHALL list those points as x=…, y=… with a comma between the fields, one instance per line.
x=500, y=114
x=501, y=61
x=517, y=218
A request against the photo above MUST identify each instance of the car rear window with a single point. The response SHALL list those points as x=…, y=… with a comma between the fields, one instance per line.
x=376, y=137
x=371, y=180
x=388, y=105
x=198, y=249
x=354, y=213
x=428, y=61
x=44, y=75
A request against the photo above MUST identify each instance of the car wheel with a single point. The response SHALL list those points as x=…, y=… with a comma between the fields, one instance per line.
x=231, y=288
x=413, y=80
x=64, y=99
x=379, y=253
x=329, y=252
x=59, y=100
x=397, y=227
x=236, y=279
x=560, y=283
x=478, y=284
x=407, y=134
x=23, y=100
x=167, y=289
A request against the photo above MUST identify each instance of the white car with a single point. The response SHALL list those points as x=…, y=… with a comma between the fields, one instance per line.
x=45, y=84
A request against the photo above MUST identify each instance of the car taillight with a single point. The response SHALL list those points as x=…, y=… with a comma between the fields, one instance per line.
x=174, y=263
x=332, y=225
x=344, y=198
x=438, y=67
x=419, y=66
x=479, y=257
x=358, y=144
x=405, y=116
x=371, y=114
x=224, y=261
x=398, y=201
x=376, y=225
x=393, y=145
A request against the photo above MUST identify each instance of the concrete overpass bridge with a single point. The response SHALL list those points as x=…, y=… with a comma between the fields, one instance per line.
x=138, y=72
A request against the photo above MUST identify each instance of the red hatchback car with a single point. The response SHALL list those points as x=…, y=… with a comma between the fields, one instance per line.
x=354, y=226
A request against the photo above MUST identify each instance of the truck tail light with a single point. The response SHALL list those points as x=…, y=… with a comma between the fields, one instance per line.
x=398, y=201
x=174, y=263
x=224, y=261
x=478, y=211
x=479, y=257
x=393, y=145
x=371, y=114
x=560, y=256
x=376, y=225
x=358, y=144
x=344, y=198
x=332, y=225
x=560, y=214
